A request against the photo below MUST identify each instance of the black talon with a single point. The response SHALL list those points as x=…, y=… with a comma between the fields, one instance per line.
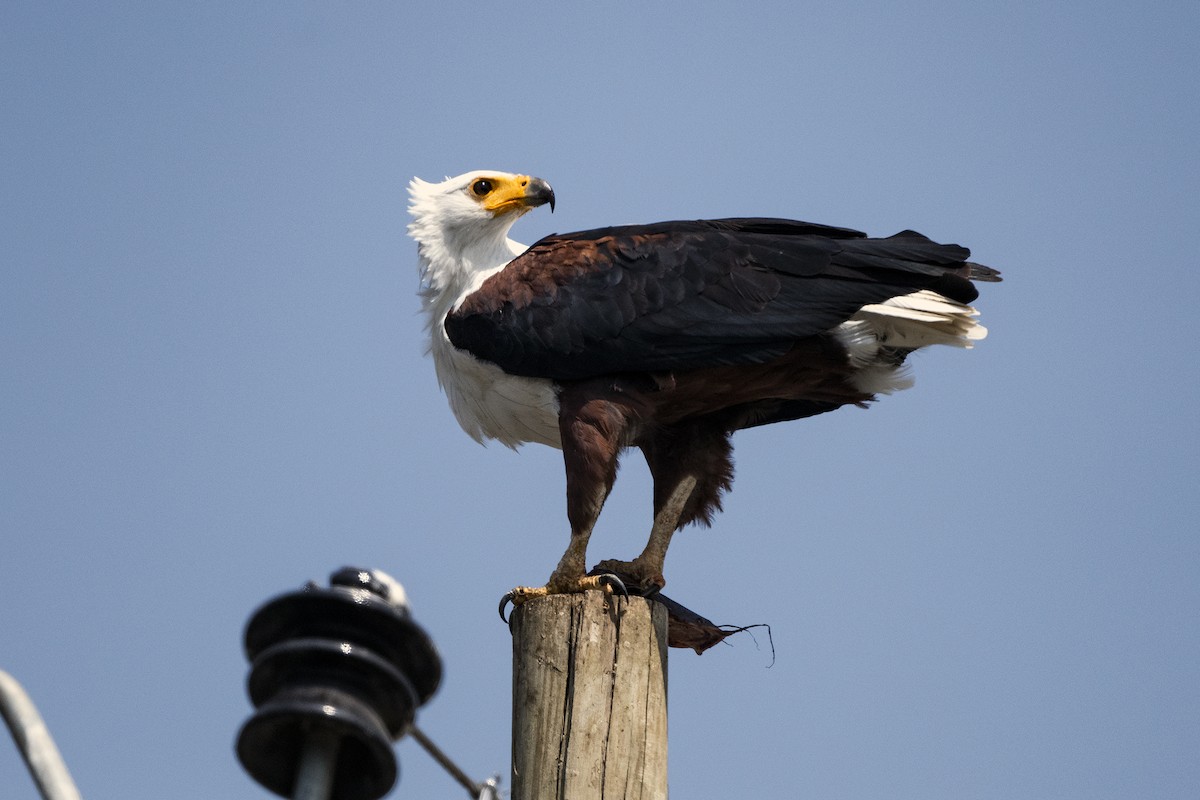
x=509, y=597
x=614, y=583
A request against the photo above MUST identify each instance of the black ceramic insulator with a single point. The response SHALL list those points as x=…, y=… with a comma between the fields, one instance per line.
x=348, y=660
x=272, y=742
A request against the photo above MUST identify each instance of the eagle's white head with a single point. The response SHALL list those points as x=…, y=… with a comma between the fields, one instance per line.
x=461, y=228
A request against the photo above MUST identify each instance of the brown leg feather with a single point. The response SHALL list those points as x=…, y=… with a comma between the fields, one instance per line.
x=592, y=428
x=691, y=465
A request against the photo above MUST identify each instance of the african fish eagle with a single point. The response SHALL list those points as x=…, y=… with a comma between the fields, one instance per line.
x=667, y=337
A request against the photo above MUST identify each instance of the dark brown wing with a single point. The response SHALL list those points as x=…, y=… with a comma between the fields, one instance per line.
x=685, y=295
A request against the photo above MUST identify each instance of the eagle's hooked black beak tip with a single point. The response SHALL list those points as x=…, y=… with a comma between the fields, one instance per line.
x=541, y=193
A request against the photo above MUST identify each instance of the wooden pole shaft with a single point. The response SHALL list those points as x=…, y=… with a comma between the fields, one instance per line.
x=589, y=698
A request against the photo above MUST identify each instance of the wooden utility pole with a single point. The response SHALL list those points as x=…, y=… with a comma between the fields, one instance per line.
x=589, y=698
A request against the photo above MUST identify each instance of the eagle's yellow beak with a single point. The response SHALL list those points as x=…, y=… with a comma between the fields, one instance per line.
x=516, y=193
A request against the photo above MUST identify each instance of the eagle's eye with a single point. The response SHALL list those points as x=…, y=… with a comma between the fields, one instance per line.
x=481, y=187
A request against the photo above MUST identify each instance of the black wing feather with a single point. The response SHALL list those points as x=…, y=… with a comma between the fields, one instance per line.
x=685, y=295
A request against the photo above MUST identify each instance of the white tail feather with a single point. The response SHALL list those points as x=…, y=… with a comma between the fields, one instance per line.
x=907, y=322
x=921, y=319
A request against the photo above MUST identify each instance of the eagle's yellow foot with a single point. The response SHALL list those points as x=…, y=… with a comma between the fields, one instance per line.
x=641, y=577
x=523, y=594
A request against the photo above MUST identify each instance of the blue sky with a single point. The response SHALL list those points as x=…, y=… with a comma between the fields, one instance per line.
x=214, y=386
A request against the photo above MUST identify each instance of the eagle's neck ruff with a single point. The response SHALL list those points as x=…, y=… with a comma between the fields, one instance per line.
x=455, y=262
x=447, y=278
